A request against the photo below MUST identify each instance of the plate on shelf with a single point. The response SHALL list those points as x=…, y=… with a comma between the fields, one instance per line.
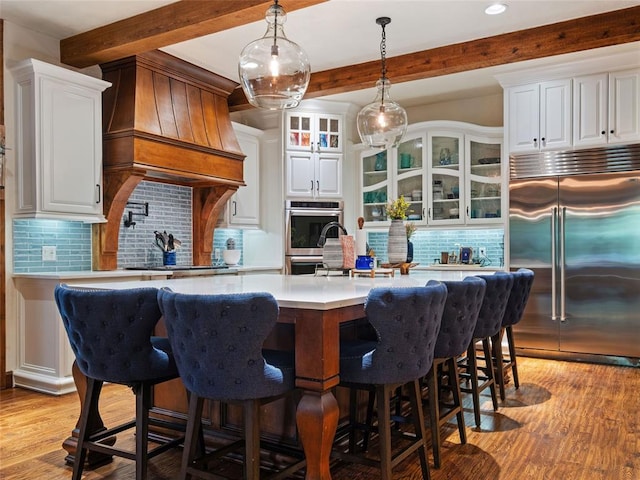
x=413, y=217
x=489, y=160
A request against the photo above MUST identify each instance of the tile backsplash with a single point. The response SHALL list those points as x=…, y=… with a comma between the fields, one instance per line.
x=427, y=244
x=169, y=209
x=72, y=241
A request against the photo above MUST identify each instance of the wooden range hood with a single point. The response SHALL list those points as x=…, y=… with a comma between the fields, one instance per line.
x=166, y=120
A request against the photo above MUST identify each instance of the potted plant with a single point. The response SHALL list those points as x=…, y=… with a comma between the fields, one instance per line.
x=397, y=244
x=398, y=208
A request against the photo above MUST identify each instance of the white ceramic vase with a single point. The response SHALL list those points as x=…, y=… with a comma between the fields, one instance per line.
x=397, y=244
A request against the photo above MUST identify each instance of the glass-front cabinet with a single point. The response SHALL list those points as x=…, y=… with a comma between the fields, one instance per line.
x=483, y=179
x=389, y=174
x=315, y=132
x=409, y=175
x=446, y=150
x=375, y=185
x=451, y=173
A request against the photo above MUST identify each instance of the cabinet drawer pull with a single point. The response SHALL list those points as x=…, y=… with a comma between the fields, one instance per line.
x=99, y=193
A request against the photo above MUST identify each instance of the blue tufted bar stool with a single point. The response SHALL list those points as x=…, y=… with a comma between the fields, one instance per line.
x=481, y=375
x=217, y=342
x=407, y=322
x=110, y=332
x=464, y=299
x=518, y=298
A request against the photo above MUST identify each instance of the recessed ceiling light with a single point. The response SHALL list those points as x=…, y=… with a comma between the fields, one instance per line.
x=495, y=9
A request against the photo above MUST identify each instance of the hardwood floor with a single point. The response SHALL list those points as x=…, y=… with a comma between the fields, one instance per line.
x=568, y=421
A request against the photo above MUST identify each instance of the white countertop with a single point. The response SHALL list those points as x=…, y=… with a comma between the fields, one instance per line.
x=124, y=273
x=293, y=291
x=89, y=274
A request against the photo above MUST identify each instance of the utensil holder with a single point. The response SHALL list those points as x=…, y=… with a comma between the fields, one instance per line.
x=169, y=258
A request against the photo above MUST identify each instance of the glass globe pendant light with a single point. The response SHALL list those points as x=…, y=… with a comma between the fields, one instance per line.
x=382, y=123
x=274, y=71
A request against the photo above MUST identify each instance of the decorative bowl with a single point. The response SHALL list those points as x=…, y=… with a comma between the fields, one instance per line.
x=231, y=257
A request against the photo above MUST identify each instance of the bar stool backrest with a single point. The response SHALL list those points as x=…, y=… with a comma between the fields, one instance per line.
x=519, y=296
x=217, y=343
x=494, y=304
x=110, y=333
x=464, y=299
x=407, y=322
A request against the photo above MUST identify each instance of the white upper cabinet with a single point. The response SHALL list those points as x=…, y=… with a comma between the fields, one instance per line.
x=587, y=103
x=314, y=132
x=590, y=104
x=314, y=175
x=314, y=143
x=539, y=116
x=243, y=209
x=606, y=108
x=624, y=106
x=59, y=143
x=451, y=173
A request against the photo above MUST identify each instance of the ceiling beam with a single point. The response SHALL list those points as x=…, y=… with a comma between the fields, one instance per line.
x=173, y=23
x=596, y=31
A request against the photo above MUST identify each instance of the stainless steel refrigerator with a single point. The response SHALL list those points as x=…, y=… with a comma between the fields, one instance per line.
x=580, y=233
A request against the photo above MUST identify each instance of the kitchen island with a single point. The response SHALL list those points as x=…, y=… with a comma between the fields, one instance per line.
x=316, y=307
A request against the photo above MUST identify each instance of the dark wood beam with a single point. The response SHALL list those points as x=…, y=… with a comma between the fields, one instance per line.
x=174, y=23
x=596, y=31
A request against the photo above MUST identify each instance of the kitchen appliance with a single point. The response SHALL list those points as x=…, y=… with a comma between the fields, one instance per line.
x=579, y=233
x=304, y=222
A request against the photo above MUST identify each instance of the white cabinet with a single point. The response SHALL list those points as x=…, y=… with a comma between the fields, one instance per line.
x=243, y=208
x=445, y=177
x=539, y=116
x=624, y=106
x=314, y=143
x=314, y=175
x=389, y=174
x=59, y=143
x=451, y=173
x=314, y=132
x=606, y=108
x=485, y=179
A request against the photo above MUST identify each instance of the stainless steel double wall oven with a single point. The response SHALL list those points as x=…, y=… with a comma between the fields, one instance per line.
x=303, y=223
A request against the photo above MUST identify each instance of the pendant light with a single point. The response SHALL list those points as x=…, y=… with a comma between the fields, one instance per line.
x=382, y=124
x=273, y=70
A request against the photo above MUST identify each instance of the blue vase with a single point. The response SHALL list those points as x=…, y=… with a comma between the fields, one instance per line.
x=409, y=251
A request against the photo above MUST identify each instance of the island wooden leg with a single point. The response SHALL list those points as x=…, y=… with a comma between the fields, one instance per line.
x=94, y=459
x=317, y=339
x=317, y=420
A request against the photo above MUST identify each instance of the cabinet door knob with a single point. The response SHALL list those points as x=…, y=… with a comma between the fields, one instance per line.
x=535, y=140
x=603, y=132
x=312, y=185
x=318, y=186
x=612, y=132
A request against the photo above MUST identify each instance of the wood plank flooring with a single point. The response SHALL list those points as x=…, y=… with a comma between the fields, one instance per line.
x=568, y=421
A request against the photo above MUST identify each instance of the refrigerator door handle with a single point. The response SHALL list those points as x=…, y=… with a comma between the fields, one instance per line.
x=563, y=315
x=554, y=264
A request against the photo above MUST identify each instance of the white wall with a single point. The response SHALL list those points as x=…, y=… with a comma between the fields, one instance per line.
x=19, y=43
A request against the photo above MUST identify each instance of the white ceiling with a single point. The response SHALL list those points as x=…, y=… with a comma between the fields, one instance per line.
x=343, y=32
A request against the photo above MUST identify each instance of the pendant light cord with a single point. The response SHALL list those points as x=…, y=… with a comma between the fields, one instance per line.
x=383, y=22
x=274, y=47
